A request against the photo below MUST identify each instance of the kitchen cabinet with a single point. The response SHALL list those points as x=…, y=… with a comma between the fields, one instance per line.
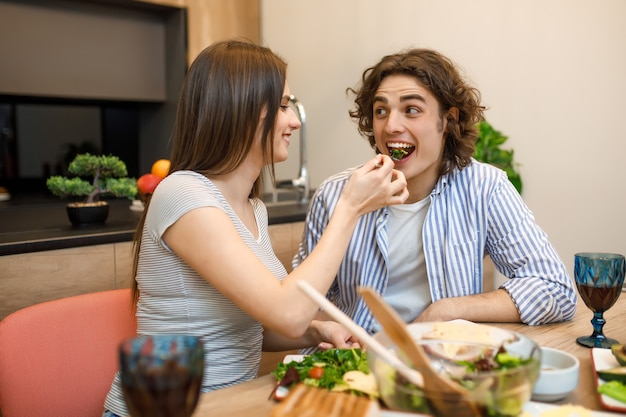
x=131, y=90
x=211, y=20
x=34, y=277
x=30, y=278
x=285, y=240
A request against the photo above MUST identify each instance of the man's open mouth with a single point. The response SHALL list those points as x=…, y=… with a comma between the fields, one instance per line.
x=399, y=151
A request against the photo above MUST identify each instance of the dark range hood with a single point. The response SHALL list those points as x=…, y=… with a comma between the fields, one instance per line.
x=79, y=74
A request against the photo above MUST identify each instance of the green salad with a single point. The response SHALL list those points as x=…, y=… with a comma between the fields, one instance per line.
x=333, y=369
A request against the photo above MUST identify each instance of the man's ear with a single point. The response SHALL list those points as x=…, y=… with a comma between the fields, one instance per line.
x=451, y=114
x=454, y=113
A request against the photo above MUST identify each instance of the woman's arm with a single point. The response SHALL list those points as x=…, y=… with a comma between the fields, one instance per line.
x=207, y=241
x=321, y=333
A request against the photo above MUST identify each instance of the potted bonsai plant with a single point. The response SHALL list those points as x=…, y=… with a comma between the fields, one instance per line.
x=94, y=177
x=487, y=149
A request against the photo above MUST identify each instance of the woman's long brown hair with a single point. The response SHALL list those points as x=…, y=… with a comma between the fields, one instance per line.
x=226, y=89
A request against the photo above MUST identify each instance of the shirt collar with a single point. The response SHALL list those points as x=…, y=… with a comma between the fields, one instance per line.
x=443, y=182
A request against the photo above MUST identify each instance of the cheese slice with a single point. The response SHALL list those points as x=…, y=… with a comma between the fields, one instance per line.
x=359, y=381
x=461, y=331
x=477, y=336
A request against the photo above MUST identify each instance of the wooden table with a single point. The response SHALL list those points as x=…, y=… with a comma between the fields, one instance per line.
x=251, y=398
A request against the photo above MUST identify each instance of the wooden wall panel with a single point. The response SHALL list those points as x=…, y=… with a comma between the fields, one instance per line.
x=123, y=264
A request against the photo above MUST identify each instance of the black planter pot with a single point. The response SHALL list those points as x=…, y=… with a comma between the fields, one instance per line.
x=83, y=214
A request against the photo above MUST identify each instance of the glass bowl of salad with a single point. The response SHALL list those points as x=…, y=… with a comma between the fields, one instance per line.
x=497, y=368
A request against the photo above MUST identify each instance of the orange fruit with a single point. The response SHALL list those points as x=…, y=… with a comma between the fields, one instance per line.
x=161, y=168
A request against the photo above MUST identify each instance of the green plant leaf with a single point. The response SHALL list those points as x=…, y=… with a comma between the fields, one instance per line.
x=65, y=187
x=107, y=174
x=487, y=149
x=121, y=187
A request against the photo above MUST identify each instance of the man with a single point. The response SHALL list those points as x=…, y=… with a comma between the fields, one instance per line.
x=426, y=256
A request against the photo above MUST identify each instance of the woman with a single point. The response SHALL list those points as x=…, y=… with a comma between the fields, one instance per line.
x=204, y=264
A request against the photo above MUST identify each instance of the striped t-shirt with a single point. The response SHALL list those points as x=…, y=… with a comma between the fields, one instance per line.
x=175, y=299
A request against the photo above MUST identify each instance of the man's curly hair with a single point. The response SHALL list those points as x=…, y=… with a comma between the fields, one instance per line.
x=440, y=76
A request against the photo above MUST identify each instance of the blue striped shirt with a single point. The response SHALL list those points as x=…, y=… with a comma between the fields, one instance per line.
x=474, y=212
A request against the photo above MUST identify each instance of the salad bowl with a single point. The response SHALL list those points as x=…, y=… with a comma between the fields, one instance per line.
x=497, y=369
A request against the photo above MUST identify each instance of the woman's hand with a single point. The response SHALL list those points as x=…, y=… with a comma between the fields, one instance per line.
x=374, y=185
x=333, y=335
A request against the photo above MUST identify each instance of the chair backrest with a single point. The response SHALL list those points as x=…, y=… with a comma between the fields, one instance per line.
x=59, y=357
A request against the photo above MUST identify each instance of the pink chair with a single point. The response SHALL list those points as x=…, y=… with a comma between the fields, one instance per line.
x=59, y=357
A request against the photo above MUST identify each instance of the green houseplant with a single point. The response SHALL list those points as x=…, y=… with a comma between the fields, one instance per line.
x=94, y=177
x=488, y=149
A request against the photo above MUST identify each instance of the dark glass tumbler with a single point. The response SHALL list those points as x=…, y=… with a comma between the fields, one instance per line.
x=161, y=375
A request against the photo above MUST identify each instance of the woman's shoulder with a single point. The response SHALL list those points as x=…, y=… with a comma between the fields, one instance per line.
x=187, y=188
x=186, y=181
x=184, y=177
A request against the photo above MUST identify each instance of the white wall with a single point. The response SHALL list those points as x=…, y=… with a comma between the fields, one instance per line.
x=552, y=73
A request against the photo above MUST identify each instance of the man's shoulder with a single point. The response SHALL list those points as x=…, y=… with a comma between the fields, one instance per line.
x=480, y=172
x=488, y=169
x=337, y=180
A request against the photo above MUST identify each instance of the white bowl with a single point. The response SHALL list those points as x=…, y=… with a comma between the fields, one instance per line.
x=558, y=375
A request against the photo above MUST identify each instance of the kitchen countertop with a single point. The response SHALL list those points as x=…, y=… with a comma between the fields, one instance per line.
x=33, y=225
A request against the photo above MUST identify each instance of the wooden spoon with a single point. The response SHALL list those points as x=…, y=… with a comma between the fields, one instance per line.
x=447, y=397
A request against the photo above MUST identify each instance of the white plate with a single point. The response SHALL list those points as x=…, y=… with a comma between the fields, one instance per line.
x=532, y=409
x=293, y=358
x=535, y=409
x=604, y=359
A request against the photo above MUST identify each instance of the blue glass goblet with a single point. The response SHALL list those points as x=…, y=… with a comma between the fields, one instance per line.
x=161, y=375
x=599, y=278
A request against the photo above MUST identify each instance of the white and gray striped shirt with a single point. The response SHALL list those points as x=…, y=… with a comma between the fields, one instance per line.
x=473, y=212
x=174, y=298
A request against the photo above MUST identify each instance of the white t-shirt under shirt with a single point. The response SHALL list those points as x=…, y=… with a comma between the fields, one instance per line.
x=175, y=299
x=407, y=289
